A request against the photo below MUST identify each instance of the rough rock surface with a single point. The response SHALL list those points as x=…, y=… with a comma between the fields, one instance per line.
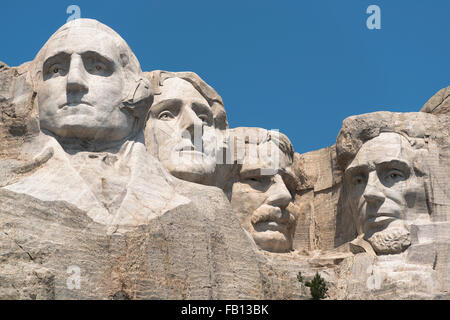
x=439, y=103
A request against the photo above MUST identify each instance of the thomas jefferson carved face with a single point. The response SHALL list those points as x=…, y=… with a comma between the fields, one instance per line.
x=181, y=131
x=80, y=90
x=261, y=197
x=383, y=189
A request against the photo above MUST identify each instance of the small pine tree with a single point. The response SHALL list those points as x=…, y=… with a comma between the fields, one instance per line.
x=300, y=277
x=318, y=287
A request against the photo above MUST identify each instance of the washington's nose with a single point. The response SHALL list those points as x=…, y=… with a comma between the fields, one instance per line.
x=193, y=125
x=279, y=194
x=76, y=78
x=373, y=193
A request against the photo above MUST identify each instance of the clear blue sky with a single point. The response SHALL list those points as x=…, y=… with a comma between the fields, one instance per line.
x=297, y=66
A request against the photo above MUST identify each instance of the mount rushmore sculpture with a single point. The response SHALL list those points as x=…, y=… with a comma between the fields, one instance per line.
x=135, y=180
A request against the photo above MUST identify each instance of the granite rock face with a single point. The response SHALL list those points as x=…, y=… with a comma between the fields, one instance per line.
x=136, y=188
x=439, y=103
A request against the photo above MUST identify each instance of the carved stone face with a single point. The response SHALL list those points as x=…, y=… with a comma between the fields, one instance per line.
x=262, y=202
x=81, y=89
x=382, y=191
x=180, y=131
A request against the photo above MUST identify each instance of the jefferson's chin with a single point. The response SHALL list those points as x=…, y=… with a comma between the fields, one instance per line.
x=392, y=240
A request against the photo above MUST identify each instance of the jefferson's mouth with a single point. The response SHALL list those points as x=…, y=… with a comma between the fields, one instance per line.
x=74, y=104
x=189, y=149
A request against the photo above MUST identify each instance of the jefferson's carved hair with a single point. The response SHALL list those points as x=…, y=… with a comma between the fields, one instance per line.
x=158, y=77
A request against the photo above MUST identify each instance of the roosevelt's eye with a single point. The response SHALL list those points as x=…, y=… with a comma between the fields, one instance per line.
x=166, y=115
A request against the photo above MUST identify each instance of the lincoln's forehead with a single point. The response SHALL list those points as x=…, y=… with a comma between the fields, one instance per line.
x=385, y=147
x=83, y=39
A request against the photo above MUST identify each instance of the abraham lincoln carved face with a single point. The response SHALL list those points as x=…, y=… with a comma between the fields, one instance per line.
x=383, y=187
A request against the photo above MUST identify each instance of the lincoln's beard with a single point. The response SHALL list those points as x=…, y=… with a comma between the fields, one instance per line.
x=390, y=240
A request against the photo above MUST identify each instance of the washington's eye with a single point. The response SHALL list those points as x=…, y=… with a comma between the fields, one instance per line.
x=56, y=70
x=165, y=115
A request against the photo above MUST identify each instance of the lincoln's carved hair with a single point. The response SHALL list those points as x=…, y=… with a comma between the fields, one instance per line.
x=158, y=77
x=137, y=93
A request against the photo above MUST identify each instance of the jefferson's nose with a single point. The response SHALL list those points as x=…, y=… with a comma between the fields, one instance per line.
x=76, y=78
x=373, y=193
x=192, y=124
x=279, y=195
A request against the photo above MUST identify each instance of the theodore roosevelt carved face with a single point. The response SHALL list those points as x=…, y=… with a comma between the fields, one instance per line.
x=383, y=188
x=85, y=73
x=260, y=193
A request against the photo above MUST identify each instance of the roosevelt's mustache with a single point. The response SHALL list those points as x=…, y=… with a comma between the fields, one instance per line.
x=267, y=213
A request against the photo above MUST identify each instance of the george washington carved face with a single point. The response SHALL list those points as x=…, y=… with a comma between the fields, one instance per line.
x=84, y=73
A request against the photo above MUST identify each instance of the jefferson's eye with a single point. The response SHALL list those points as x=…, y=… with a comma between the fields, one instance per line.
x=358, y=179
x=165, y=115
x=395, y=175
x=204, y=118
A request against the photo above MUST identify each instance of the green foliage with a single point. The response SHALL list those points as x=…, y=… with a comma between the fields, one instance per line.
x=318, y=287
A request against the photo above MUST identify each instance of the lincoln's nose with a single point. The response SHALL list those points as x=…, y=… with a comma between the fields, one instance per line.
x=373, y=192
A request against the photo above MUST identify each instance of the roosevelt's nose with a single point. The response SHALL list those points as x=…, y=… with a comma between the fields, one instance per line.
x=373, y=191
x=192, y=124
x=76, y=77
x=279, y=195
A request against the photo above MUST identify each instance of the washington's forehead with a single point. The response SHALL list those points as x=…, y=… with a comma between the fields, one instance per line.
x=79, y=40
x=176, y=88
x=385, y=147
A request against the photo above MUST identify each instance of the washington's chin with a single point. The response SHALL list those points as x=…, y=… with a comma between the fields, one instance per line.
x=83, y=127
x=273, y=241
